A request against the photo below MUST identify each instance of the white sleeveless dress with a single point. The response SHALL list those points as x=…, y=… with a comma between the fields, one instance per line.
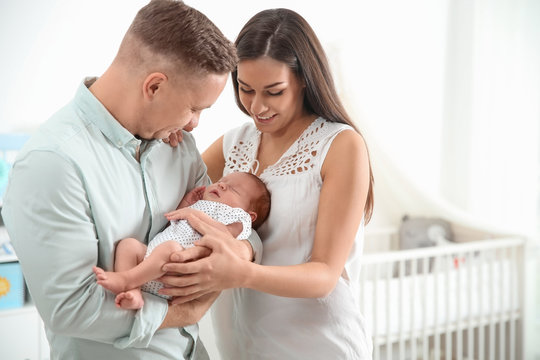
x=254, y=325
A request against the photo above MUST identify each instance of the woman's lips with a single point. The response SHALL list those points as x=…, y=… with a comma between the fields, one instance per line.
x=265, y=119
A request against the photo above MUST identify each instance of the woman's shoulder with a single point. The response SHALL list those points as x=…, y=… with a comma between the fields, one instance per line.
x=341, y=139
x=333, y=126
x=325, y=132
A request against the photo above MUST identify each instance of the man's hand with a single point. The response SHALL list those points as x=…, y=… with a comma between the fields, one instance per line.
x=188, y=313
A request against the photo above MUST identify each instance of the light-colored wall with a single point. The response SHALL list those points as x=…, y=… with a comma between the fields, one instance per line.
x=48, y=47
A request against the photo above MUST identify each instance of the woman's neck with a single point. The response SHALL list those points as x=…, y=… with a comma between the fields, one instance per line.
x=273, y=145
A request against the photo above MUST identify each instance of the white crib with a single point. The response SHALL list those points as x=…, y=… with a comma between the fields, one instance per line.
x=460, y=301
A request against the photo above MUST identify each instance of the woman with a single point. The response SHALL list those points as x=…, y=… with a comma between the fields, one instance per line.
x=301, y=302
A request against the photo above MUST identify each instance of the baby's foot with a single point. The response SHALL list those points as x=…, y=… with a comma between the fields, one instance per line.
x=130, y=300
x=100, y=273
x=110, y=280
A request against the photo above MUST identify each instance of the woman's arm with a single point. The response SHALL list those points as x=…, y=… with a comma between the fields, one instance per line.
x=214, y=160
x=345, y=174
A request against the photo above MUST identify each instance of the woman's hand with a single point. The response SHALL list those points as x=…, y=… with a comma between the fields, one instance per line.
x=222, y=269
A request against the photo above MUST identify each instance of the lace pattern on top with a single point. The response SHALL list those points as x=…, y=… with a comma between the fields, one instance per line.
x=299, y=158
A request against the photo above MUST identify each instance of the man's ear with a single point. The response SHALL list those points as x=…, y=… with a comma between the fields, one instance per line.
x=152, y=84
x=253, y=216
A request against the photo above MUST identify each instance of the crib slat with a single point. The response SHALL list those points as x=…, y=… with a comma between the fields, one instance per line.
x=412, y=304
x=448, y=333
x=470, y=261
x=513, y=287
x=437, y=340
x=388, y=271
x=502, y=323
x=491, y=307
x=401, y=272
x=376, y=296
x=425, y=340
x=481, y=309
x=459, y=332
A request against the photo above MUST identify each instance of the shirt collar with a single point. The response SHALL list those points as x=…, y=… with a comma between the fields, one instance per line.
x=97, y=114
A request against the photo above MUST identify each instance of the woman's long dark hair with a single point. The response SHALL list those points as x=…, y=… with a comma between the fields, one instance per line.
x=285, y=36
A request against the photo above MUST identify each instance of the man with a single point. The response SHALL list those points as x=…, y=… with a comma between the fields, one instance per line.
x=96, y=172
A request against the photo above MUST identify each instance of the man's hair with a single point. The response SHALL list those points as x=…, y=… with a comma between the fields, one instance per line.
x=181, y=35
x=261, y=203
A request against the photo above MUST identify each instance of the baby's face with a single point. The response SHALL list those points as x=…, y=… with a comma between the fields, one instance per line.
x=236, y=190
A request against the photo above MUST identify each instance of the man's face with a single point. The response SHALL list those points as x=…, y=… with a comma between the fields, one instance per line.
x=179, y=105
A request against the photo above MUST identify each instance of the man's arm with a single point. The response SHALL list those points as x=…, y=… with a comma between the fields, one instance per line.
x=50, y=222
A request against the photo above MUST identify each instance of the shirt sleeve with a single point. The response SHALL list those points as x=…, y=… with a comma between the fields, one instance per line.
x=256, y=245
x=49, y=221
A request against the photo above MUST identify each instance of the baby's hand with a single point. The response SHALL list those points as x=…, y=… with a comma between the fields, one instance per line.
x=192, y=197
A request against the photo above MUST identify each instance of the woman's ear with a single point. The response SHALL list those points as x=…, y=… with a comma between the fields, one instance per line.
x=152, y=84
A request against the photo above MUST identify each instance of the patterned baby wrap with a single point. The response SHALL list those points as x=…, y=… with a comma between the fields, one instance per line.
x=181, y=232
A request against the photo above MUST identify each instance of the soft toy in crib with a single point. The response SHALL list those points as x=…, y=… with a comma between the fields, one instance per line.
x=417, y=232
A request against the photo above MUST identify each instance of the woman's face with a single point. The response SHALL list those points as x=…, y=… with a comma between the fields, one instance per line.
x=271, y=93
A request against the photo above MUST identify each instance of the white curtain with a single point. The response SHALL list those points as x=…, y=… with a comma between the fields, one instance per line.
x=448, y=100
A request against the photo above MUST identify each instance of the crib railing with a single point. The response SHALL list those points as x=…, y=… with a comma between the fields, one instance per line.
x=462, y=301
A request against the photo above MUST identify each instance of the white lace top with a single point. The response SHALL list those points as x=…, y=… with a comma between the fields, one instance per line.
x=254, y=325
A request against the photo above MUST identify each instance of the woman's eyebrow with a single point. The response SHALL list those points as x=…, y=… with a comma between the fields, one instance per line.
x=266, y=87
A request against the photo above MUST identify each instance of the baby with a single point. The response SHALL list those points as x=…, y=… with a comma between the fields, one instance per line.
x=237, y=200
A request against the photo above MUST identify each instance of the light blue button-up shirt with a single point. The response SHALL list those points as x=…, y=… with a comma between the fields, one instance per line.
x=75, y=190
